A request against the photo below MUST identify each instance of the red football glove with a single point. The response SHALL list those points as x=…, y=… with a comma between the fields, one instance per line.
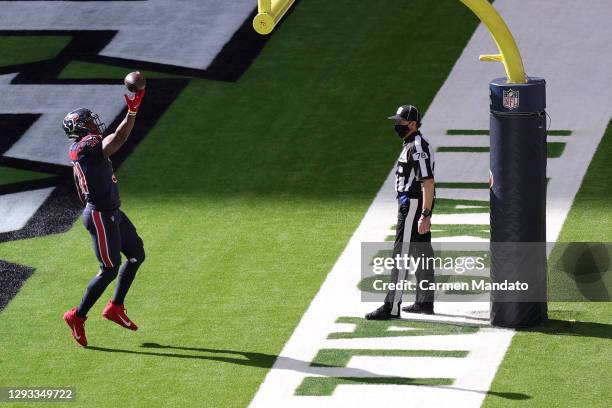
x=134, y=102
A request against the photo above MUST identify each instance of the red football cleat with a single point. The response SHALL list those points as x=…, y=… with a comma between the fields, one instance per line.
x=77, y=326
x=116, y=313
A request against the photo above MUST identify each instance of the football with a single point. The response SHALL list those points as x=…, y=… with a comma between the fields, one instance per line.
x=135, y=81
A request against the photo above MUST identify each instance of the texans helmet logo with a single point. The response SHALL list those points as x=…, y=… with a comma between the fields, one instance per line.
x=71, y=121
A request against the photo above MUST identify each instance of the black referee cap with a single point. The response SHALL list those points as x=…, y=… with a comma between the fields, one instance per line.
x=407, y=112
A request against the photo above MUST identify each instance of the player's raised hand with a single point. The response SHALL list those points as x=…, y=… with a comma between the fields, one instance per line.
x=134, y=102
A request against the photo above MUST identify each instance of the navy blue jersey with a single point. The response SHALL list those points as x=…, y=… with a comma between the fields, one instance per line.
x=93, y=174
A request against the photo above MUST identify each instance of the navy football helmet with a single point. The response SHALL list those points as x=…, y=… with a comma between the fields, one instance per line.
x=80, y=122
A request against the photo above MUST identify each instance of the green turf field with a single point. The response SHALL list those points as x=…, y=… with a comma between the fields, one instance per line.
x=25, y=49
x=9, y=175
x=245, y=194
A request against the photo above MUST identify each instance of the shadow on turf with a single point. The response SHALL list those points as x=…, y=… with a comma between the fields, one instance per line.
x=573, y=328
x=246, y=358
x=267, y=361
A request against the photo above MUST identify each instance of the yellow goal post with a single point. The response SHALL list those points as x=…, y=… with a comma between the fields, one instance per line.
x=270, y=12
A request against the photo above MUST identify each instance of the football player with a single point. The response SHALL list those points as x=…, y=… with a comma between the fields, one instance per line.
x=111, y=230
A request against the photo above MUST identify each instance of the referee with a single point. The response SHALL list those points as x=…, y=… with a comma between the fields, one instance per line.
x=415, y=195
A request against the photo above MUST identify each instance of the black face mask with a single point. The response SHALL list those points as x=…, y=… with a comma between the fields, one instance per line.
x=402, y=130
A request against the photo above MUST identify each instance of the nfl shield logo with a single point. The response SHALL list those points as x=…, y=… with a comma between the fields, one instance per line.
x=511, y=99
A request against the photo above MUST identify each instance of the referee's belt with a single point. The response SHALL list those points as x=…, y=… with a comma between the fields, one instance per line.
x=404, y=197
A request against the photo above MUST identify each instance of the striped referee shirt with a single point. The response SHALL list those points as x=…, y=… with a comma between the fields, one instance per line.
x=415, y=164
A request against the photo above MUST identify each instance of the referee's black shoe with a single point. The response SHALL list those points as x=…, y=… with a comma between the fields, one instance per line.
x=383, y=313
x=422, y=308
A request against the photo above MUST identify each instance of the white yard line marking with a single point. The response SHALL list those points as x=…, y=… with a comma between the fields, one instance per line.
x=460, y=238
x=579, y=95
x=463, y=219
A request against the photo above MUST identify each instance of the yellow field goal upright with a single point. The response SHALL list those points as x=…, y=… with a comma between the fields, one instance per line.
x=270, y=12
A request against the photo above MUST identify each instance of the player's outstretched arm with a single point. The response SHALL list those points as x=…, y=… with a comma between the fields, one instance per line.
x=114, y=141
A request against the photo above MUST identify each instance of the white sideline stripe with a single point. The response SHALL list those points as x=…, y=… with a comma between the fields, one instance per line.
x=17, y=208
x=560, y=28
